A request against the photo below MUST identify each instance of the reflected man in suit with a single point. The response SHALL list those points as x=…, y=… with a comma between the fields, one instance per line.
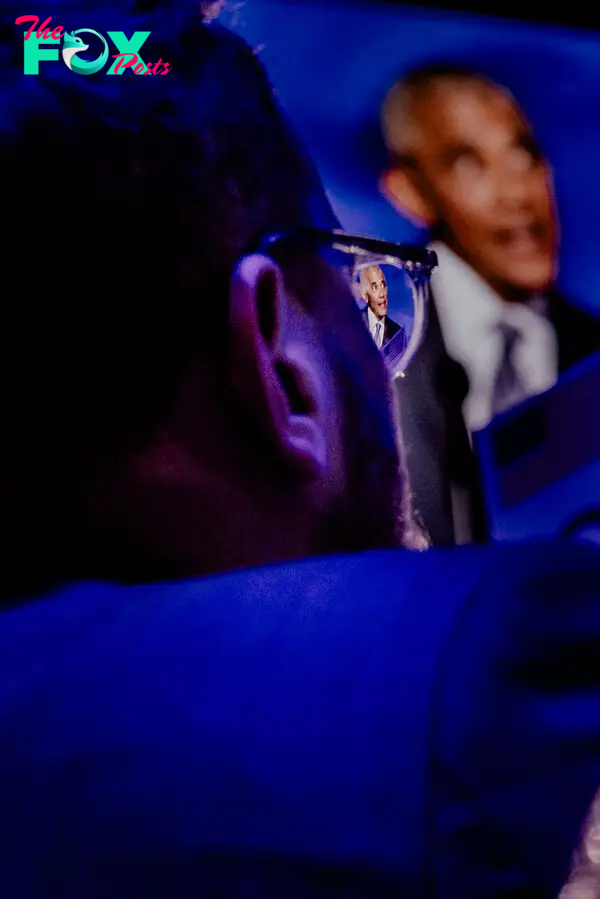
x=374, y=291
x=466, y=165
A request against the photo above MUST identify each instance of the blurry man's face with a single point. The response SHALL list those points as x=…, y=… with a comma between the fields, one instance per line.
x=375, y=290
x=482, y=174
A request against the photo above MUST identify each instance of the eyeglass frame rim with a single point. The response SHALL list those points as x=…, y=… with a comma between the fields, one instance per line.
x=418, y=270
x=411, y=257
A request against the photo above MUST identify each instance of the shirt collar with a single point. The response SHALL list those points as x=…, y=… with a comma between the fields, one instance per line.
x=462, y=296
x=373, y=320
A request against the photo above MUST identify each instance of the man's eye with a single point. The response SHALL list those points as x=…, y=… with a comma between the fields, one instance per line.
x=527, y=145
x=527, y=155
x=522, y=158
x=459, y=157
x=466, y=164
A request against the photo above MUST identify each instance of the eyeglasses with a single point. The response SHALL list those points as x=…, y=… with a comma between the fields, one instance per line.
x=390, y=283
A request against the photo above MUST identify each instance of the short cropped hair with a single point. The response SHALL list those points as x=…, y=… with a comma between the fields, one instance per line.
x=396, y=107
x=440, y=70
x=126, y=202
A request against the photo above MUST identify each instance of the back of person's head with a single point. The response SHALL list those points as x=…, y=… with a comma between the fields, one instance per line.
x=129, y=200
x=128, y=354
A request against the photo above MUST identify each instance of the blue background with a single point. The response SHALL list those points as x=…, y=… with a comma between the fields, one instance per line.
x=332, y=64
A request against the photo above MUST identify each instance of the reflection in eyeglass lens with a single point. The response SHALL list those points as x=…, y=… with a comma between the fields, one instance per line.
x=387, y=305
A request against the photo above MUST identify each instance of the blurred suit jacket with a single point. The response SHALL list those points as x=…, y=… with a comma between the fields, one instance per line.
x=441, y=463
x=390, y=327
x=378, y=725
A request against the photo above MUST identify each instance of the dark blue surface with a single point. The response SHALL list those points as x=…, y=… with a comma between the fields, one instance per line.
x=391, y=724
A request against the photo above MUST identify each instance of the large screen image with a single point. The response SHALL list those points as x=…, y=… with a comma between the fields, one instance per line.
x=478, y=138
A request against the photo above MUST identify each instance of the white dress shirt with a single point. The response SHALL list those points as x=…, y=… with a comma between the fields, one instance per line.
x=470, y=313
x=373, y=322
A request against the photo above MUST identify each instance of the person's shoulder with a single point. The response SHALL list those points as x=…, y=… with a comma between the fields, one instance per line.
x=525, y=579
x=326, y=592
x=506, y=579
x=532, y=584
x=541, y=571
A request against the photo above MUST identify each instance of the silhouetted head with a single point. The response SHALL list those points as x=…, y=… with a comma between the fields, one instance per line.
x=169, y=394
x=466, y=164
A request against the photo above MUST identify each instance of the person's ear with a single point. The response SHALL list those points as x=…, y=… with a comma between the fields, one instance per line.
x=274, y=378
x=398, y=186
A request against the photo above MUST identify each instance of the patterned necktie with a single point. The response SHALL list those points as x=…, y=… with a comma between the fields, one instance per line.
x=508, y=387
x=378, y=334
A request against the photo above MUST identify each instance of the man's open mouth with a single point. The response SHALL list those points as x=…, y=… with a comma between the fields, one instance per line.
x=522, y=238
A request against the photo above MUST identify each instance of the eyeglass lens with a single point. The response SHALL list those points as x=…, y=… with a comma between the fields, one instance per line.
x=393, y=307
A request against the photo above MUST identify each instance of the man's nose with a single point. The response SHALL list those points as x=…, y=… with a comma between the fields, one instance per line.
x=514, y=188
